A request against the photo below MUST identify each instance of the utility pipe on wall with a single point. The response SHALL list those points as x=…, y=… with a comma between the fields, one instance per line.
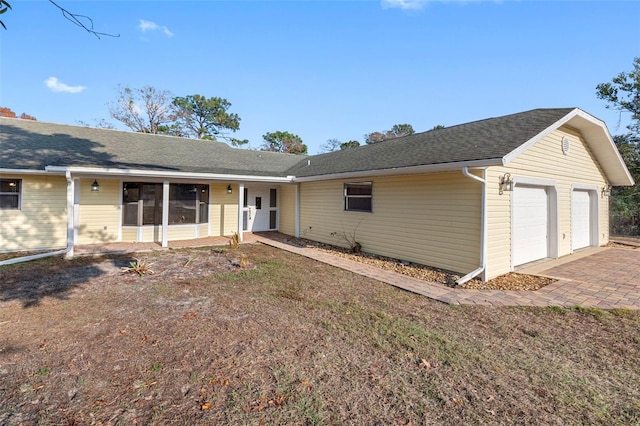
x=483, y=227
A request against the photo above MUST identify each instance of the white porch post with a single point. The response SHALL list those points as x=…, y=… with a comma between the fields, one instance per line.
x=165, y=213
x=240, y=209
x=70, y=214
x=76, y=210
x=297, y=210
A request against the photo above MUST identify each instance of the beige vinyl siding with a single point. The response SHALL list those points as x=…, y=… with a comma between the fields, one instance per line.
x=203, y=230
x=429, y=219
x=544, y=160
x=498, y=225
x=99, y=211
x=223, y=210
x=129, y=234
x=181, y=232
x=151, y=234
x=42, y=221
x=287, y=209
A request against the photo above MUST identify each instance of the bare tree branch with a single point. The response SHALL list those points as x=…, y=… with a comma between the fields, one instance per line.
x=78, y=20
x=4, y=7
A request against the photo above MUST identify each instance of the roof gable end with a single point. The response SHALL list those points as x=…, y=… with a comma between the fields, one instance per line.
x=598, y=139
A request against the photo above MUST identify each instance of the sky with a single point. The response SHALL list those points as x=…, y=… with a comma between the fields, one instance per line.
x=321, y=69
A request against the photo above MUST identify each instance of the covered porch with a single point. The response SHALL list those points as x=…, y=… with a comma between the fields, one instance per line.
x=152, y=211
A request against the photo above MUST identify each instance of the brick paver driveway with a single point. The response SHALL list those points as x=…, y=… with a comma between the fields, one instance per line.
x=612, y=267
x=609, y=279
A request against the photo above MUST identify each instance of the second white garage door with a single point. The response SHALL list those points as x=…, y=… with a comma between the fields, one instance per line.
x=530, y=224
x=580, y=219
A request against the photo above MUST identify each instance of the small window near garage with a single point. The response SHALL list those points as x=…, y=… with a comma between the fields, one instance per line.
x=358, y=196
x=10, y=194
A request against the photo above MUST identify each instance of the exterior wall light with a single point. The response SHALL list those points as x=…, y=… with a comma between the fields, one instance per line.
x=229, y=190
x=606, y=191
x=94, y=186
x=506, y=183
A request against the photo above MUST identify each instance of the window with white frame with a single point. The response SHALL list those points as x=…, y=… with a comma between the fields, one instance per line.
x=10, y=194
x=358, y=196
x=142, y=203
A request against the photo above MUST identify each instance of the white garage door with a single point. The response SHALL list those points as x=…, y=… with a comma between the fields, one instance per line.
x=580, y=220
x=530, y=224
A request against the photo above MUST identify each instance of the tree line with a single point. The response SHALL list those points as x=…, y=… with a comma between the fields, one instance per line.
x=622, y=93
x=150, y=110
x=397, y=131
x=7, y=112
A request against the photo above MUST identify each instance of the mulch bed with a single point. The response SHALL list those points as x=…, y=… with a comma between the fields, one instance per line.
x=510, y=281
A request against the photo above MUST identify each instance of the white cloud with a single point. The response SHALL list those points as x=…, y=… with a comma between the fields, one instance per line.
x=57, y=86
x=166, y=31
x=403, y=4
x=419, y=4
x=152, y=26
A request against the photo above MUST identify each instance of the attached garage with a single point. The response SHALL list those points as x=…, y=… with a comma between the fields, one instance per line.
x=530, y=224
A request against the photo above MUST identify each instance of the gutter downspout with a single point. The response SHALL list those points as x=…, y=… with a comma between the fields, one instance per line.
x=297, y=211
x=483, y=227
x=241, y=211
x=68, y=251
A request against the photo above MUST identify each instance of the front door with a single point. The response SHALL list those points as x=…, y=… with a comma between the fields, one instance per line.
x=257, y=209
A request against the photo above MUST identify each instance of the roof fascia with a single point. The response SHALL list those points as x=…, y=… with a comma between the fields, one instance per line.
x=95, y=171
x=600, y=128
x=29, y=172
x=528, y=144
x=428, y=168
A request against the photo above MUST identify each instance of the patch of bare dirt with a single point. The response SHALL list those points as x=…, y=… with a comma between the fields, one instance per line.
x=31, y=286
x=511, y=281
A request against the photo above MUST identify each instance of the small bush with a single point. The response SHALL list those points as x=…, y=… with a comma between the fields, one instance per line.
x=234, y=241
x=138, y=266
x=350, y=239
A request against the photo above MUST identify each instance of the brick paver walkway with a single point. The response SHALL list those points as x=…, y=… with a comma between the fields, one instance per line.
x=607, y=279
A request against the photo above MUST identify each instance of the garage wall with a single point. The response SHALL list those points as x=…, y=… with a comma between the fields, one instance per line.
x=287, y=209
x=544, y=160
x=429, y=219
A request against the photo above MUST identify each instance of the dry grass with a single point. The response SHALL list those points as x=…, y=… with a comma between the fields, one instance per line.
x=293, y=341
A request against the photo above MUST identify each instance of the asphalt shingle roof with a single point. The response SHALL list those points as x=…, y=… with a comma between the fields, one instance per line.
x=491, y=138
x=26, y=144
